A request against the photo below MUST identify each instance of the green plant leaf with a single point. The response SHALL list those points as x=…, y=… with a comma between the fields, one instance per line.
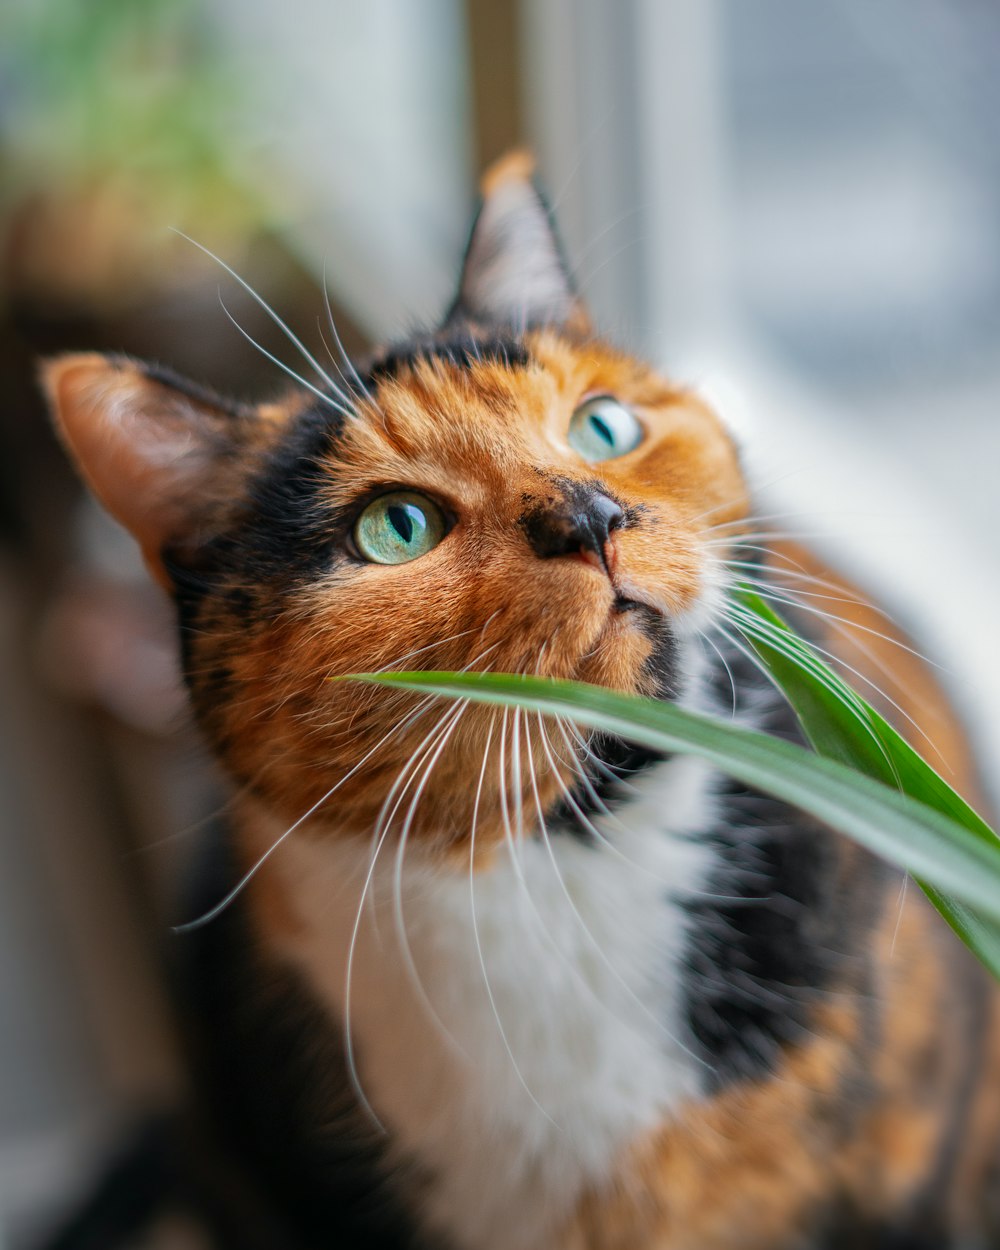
x=838, y=722
x=932, y=845
x=841, y=725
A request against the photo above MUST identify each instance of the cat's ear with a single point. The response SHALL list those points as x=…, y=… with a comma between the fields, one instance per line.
x=166, y=459
x=514, y=273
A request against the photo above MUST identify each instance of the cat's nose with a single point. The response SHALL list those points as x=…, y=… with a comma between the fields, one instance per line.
x=579, y=524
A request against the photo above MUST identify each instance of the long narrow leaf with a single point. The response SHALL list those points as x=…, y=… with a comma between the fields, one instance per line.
x=925, y=842
x=841, y=725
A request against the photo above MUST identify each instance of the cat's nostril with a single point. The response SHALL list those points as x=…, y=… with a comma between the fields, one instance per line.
x=581, y=524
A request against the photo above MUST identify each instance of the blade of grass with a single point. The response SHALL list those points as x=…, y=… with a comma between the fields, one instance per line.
x=840, y=725
x=924, y=841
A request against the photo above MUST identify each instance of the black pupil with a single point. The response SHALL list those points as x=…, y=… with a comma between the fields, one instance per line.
x=602, y=427
x=401, y=521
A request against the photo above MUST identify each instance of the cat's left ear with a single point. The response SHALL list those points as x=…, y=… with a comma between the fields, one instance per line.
x=168, y=460
x=514, y=273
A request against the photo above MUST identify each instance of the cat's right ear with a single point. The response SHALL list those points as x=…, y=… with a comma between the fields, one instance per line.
x=164, y=458
x=514, y=273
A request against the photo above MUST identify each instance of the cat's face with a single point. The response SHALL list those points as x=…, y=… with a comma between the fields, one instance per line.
x=488, y=498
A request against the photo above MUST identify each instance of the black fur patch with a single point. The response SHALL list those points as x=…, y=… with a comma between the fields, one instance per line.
x=286, y=530
x=462, y=348
x=612, y=761
x=780, y=924
x=845, y=1225
x=280, y=536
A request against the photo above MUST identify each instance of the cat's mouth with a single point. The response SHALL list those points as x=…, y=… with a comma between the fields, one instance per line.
x=634, y=616
x=632, y=598
x=623, y=604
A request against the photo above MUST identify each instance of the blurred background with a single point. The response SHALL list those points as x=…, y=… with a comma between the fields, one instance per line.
x=793, y=207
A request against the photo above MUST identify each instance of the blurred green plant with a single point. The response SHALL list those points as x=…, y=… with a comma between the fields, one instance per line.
x=116, y=120
x=861, y=777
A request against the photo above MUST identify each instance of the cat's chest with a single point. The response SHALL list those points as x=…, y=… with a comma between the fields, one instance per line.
x=516, y=1029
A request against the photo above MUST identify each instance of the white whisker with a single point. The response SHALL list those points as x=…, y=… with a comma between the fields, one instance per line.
x=432, y=755
x=281, y=364
x=598, y=949
x=249, y=875
x=857, y=703
x=382, y=829
x=475, y=929
x=285, y=329
x=340, y=348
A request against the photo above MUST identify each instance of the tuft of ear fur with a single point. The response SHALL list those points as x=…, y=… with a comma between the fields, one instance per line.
x=164, y=457
x=514, y=273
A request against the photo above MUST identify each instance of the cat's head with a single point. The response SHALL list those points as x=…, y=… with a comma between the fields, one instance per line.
x=508, y=493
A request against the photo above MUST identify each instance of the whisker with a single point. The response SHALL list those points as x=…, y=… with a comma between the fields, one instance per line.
x=381, y=832
x=827, y=587
x=900, y=904
x=475, y=929
x=432, y=645
x=433, y=755
x=572, y=967
x=725, y=663
x=588, y=934
x=775, y=536
x=285, y=329
x=589, y=755
x=281, y=365
x=752, y=518
x=340, y=348
x=841, y=663
x=848, y=699
x=249, y=875
x=581, y=815
x=783, y=595
x=338, y=391
x=350, y=400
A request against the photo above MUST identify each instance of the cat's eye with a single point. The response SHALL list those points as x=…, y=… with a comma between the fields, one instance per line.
x=601, y=429
x=399, y=527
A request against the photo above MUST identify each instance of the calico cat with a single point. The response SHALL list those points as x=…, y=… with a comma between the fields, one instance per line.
x=489, y=983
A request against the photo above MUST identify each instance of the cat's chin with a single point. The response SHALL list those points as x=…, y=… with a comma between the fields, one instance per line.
x=635, y=650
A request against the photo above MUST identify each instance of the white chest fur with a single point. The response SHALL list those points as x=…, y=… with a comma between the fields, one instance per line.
x=513, y=1031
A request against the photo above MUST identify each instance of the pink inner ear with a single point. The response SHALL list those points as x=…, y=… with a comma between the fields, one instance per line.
x=144, y=450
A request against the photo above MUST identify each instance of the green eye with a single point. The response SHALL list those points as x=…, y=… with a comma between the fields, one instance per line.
x=399, y=527
x=602, y=429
